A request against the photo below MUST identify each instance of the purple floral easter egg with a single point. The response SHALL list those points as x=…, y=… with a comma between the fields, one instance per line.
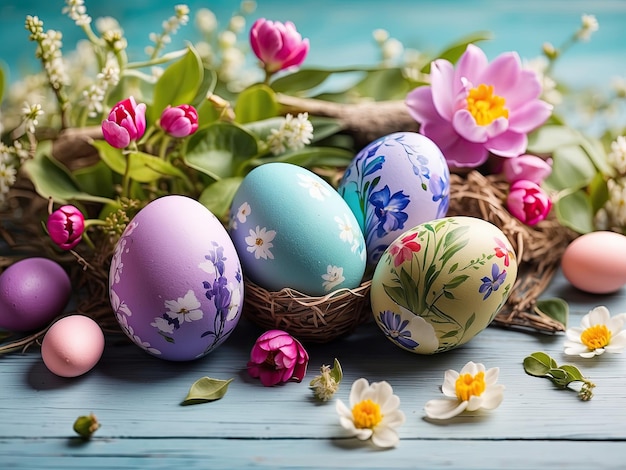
x=395, y=183
x=175, y=281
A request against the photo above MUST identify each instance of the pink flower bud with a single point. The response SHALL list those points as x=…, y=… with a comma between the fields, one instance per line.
x=179, y=121
x=277, y=357
x=528, y=202
x=66, y=226
x=278, y=45
x=126, y=122
x=527, y=167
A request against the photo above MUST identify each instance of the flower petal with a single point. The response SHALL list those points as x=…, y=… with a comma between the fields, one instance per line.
x=359, y=387
x=529, y=116
x=508, y=144
x=444, y=409
x=384, y=436
x=492, y=397
x=442, y=77
x=491, y=376
x=394, y=418
x=449, y=383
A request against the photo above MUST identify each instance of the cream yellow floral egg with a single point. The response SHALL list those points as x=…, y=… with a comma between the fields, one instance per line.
x=441, y=283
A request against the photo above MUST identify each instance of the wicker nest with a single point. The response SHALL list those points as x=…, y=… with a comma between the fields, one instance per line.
x=310, y=319
x=539, y=248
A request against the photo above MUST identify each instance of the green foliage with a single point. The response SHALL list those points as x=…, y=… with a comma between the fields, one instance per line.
x=540, y=364
x=218, y=197
x=206, y=390
x=256, y=103
x=557, y=309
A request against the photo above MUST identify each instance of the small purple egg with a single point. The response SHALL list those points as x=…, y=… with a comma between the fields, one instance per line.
x=33, y=291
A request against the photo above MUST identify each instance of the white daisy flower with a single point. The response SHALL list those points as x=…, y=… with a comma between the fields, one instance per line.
x=346, y=231
x=332, y=278
x=243, y=212
x=260, y=241
x=317, y=189
x=373, y=413
x=471, y=389
x=598, y=333
x=185, y=309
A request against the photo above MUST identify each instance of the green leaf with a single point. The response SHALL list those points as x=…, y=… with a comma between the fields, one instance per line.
x=96, y=179
x=557, y=309
x=53, y=180
x=336, y=372
x=597, y=154
x=575, y=211
x=2, y=83
x=384, y=84
x=454, y=51
x=324, y=127
x=559, y=377
x=209, y=81
x=220, y=149
x=144, y=167
x=218, y=196
x=598, y=192
x=573, y=373
x=571, y=168
x=538, y=364
x=256, y=103
x=302, y=80
x=206, y=389
x=313, y=156
x=179, y=83
x=547, y=139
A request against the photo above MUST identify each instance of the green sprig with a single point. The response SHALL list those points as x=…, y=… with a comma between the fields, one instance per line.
x=85, y=426
x=540, y=364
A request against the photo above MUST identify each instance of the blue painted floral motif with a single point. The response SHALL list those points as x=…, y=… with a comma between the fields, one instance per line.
x=388, y=211
x=490, y=285
x=440, y=187
x=394, y=327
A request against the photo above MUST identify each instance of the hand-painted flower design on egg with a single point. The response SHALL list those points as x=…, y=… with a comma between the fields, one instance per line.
x=243, y=212
x=492, y=284
x=333, y=277
x=184, y=309
x=388, y=210
x=395, y=328
x=317, y=189
x=260, y=242
x=402, y=250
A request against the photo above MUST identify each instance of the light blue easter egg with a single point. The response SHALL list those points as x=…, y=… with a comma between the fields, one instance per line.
x=292, y=229
x=395, y=183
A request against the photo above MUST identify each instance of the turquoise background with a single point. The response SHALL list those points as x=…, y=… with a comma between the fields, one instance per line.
x=341, y=31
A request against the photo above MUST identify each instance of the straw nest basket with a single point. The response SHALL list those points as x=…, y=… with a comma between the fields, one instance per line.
x=538, y=248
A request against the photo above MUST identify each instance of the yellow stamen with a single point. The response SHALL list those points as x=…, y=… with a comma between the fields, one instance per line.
x=468, y=385
x=259, y=241
x=485, y=106
x=366, y=414
x=596, y=336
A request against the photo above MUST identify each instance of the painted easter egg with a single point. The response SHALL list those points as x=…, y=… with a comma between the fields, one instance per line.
x=441, y=283
x=33, y=291
x=292, y=229
x=175, y=282
x=393, y=184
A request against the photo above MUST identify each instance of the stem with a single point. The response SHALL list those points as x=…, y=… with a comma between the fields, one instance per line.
x=165, y=141
x=126, y=177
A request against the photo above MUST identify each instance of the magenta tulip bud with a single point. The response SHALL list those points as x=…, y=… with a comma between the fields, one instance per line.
x=179, y=121
x=526, y=167
x=277, y=357
x=528, y=202
x=126, y=122
x=66, y=226
x=278, y=45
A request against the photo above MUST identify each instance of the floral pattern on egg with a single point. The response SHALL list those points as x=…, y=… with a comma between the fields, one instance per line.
x=393, y=184
x=441, y=283
x=276, y=248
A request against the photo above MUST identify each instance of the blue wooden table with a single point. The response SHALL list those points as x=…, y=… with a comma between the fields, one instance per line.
x=137, y=399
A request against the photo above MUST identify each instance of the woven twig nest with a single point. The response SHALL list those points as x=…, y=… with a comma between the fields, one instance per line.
x=539, y=248
x=310, y=319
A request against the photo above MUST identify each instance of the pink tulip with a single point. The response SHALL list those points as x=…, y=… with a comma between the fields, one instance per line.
x=179, y=121
x=66, y=226
x=527, y=167
x=278, y=45
x=277, y=357
x=479, y=107
x=126, y=122
x=528, y=202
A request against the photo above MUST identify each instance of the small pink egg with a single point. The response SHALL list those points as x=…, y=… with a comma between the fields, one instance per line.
x=595, y=262
x=72, y=346
x=32, y=292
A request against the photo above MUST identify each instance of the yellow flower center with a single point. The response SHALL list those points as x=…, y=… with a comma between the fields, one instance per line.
x=259, y=241
x=485, y=106
x=366, y=414
x=468, y=385
x=596, y=336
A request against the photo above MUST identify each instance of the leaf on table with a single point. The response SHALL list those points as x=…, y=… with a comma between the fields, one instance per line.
x=557, y=309
x=205, y=390
x=538, y=364
x=336, y=372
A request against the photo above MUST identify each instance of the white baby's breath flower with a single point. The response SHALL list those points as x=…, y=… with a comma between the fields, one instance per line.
x=31, y=113
x=206, y=21
x=617, y=155
x=77, y=11
x=470, y=389
x=589, y=25
x=616, y=204
x=237, y=23
x=380, y=35
x=248, y=6
x=598, y=333
x=373, y=414
x=107, y=23
x=391, y=49
x=7, y=177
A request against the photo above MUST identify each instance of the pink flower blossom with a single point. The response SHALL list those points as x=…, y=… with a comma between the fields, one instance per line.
x=66, y=226
x=179, y=121
x=479, y=107
x=402, y=250
x=278, y=45
x=527, y=167
x=277, y=357
x=528, y=202
x=126, y=122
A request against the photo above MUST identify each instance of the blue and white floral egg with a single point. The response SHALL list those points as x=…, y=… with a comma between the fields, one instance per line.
x=441, y=283
x=175, y=282
x=393, y=184
x=292, y=229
